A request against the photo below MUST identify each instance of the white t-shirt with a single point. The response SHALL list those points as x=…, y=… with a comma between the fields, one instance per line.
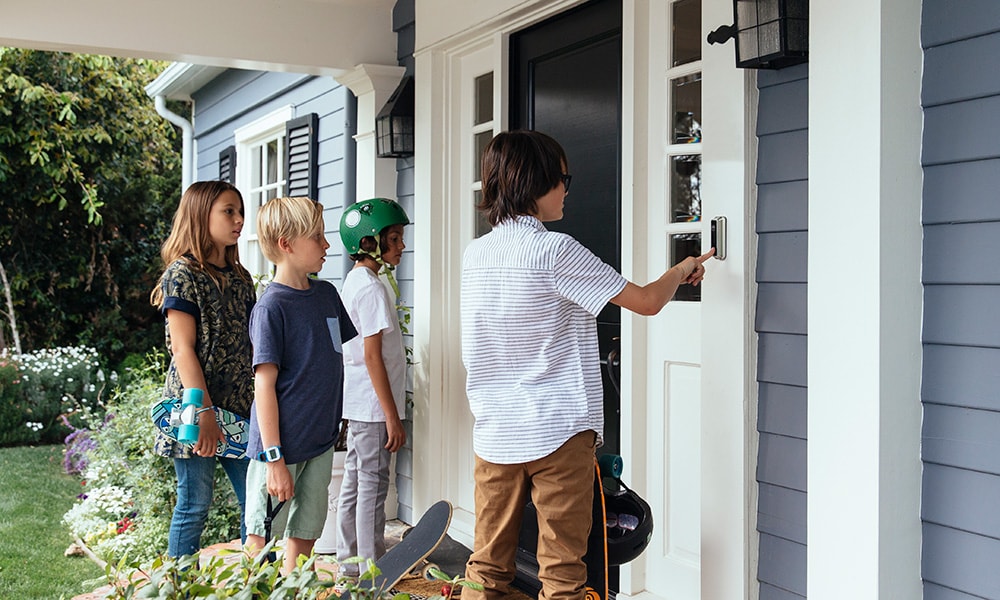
x=370, y=303
x=529, y=303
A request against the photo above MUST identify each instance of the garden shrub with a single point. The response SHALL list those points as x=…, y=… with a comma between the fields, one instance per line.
x=51, y=383
x=122, y=456
x=11, y=416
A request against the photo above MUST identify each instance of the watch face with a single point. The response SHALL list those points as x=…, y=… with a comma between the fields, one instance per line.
x=271, y=454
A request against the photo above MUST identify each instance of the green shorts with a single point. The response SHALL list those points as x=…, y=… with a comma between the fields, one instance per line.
x=304, y=515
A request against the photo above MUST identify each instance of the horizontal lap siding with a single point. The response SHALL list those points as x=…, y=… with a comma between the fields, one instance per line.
x=404, y=24
x=781, y=325
x=239, y=97
x=961, y=275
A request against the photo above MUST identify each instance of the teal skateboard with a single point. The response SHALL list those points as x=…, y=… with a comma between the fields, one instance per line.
x=169, y=418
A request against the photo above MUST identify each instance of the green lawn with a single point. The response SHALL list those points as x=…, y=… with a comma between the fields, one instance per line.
x=34, y=495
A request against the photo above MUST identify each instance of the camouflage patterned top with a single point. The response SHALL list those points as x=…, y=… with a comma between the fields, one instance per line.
x=223, y=339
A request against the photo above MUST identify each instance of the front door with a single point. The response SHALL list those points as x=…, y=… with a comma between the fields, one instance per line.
x=565, y=81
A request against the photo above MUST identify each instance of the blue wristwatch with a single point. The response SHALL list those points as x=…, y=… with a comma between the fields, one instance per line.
x=271, y=454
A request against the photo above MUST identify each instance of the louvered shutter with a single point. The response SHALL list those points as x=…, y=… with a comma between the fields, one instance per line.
x=227, y=165
x=300, y=156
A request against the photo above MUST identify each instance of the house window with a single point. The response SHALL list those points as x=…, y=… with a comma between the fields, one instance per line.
x=482, y=133
x=260, y=176
x=683, y=147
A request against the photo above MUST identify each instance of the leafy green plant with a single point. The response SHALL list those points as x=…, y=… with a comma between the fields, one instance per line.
x=122, y=458
x=450, y=585
x=50, y=384
x=11, y=416
x=216, y=577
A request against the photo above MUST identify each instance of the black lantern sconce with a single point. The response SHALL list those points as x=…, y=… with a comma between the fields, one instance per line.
x=770, y=34
x=394, y=123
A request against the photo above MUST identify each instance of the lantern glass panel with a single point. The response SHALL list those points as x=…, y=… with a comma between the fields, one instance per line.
x=746, y=14
x=768, y=10
x=748, y=45
x=769, y=38
x=798, y=35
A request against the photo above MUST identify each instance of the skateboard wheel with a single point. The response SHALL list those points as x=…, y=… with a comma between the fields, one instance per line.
x=592, y=594
x=426, y=571
x=611, y=465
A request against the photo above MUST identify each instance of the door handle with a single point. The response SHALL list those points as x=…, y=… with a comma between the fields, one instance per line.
x=611, y=364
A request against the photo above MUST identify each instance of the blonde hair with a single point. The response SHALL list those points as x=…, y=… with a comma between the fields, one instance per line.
x=189, y=236
x=289, y=218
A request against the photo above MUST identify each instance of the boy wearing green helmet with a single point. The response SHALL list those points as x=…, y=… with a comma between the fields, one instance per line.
x=374, y=376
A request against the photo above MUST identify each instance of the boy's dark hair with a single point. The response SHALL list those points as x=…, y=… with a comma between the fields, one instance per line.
x=518, y=168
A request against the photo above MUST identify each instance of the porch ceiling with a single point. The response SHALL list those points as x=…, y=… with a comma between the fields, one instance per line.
x=321, y=37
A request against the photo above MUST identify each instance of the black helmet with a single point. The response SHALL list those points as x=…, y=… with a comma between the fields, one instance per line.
x=629, y=524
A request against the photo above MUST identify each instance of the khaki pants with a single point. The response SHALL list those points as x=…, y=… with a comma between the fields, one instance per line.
x=561, y=485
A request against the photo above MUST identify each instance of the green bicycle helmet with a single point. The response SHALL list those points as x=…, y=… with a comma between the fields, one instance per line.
x=368, y=218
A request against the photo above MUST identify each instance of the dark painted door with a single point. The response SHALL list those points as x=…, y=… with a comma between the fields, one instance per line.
x=566, y=81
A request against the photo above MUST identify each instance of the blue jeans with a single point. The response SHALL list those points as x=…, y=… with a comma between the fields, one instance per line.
x=195, y=489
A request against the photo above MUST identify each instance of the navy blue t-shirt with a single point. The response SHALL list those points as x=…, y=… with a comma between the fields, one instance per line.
x=302, y=331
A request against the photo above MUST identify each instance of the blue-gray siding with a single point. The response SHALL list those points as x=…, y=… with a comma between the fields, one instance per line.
x=238, y=97
x=781, y=325
x=404, y=24
x=961, y=276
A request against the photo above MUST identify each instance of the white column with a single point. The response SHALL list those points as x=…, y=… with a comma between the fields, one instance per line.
x=864, y=300
x=376, y=177
x=372, y=85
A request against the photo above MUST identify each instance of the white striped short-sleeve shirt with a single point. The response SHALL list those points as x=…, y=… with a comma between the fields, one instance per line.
x=529, y=303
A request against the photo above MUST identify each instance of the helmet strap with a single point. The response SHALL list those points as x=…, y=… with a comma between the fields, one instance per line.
x=386, y=269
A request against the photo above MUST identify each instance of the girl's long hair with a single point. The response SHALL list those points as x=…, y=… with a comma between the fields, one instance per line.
x=190, y=239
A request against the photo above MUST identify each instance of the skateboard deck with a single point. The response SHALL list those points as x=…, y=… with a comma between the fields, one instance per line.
x=234, y=427
x=413, y=549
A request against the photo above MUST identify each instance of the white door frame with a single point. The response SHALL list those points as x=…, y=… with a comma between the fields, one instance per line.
x=442, y=212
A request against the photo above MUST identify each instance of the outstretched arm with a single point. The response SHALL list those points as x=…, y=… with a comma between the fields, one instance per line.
x=649, y=299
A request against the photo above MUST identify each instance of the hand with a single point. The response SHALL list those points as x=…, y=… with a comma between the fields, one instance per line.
x=209, y=434
x=397, y=434
x=279, y=480
x=695, y=268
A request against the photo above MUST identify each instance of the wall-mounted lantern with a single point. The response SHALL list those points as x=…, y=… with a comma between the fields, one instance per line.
x=394, y=123
x=770, y=34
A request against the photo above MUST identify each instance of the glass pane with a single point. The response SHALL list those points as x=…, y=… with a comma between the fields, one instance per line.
x=683, y=245
x=769, y=38
x=256, y=200
x=686, y=45
x=685, y=98
x=255, y=168
x=482, y=225
x=685, y=188
x=748, y=44
x=272, y=193
x=746, y=14
x=484, y=98
x=768, y=10
x=481, y=140
x=272, y=161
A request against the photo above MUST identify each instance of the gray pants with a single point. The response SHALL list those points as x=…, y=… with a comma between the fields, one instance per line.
x=361, y=507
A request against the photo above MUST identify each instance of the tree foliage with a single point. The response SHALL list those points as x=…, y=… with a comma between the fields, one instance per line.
x=90, y=176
